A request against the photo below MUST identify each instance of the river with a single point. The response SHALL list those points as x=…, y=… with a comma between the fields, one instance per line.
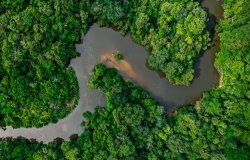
x=97, y=43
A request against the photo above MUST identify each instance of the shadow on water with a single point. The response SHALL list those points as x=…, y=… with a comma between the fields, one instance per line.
x=213, y=36
x=101, y=40
x=215, y=13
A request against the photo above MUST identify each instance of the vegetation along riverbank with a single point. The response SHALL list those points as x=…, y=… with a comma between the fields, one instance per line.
x=38, y=37
x=133, y=125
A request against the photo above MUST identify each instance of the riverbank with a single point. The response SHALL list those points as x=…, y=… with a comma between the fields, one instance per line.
x=101, y=40
x=124, y=68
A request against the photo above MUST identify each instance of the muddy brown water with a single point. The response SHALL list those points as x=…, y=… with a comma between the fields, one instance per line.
x=99, y=41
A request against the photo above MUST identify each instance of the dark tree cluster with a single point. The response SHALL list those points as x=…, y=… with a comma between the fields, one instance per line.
x=37, y=42
x=174, y=31
x=37, y=38
x=134, y=126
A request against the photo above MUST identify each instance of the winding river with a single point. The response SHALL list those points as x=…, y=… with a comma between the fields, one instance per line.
x=97, y=46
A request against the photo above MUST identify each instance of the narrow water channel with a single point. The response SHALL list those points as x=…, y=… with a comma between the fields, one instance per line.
x=100, y=41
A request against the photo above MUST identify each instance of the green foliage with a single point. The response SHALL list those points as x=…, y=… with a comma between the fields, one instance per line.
x=37, y=41
x=174, y=31
x=233, y=62
x=175, y=35
x=133, y=125
x=117, y=55
x=107, y=13
x=22, y=149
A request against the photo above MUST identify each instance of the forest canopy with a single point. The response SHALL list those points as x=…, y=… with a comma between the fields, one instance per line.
x=134, y=126
x=37, y=42
x=174, y=31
